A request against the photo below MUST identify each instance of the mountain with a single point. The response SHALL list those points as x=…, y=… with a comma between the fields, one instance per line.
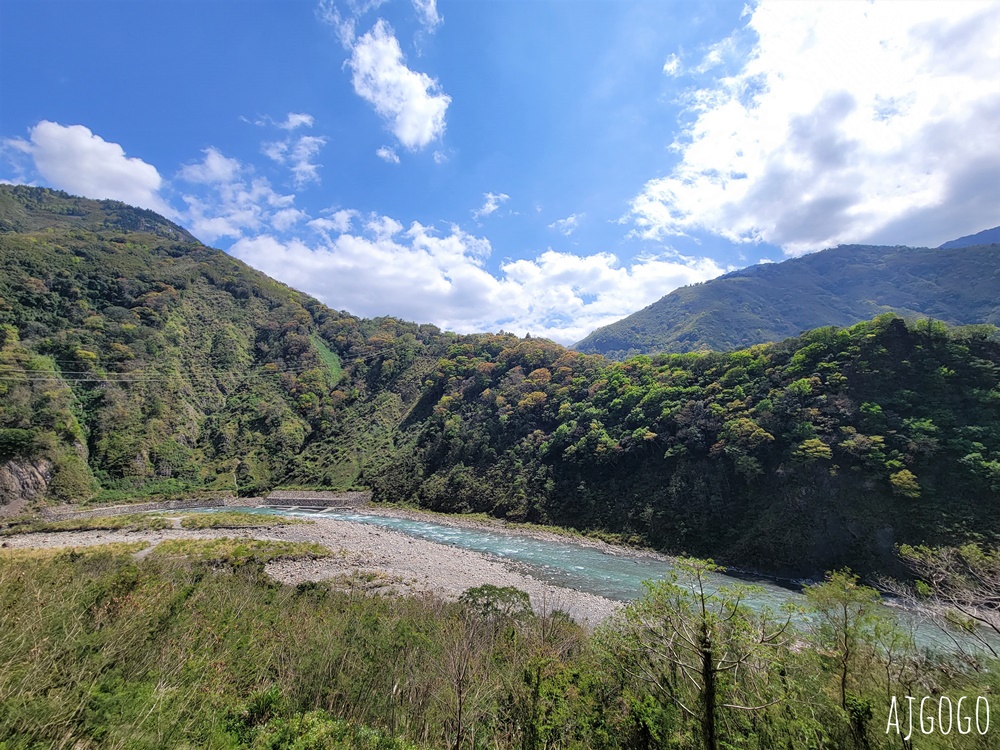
x=986, y=237
x=840, y=286
x=136, y=362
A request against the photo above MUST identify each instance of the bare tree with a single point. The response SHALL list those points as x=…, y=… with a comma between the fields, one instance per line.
x=465, y=666
x=962, y=586
x=700, y=647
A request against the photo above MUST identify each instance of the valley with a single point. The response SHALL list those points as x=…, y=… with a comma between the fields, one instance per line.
x=442, y=375
x=138, y=366
x=137, y=363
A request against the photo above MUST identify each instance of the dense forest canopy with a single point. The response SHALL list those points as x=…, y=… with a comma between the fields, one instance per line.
x=135, y=361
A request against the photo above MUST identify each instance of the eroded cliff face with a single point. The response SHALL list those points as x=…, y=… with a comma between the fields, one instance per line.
x=21, y=481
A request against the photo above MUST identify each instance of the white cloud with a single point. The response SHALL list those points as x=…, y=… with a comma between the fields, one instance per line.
x=345, y=21
x=329, y=13
x=74, y=159
x=337, y=221
x=427, y=13
x=492, y=201
x=297, y=154
x=846, y=122
x=568, y=225
x=214, y=168
x=229, y=201
x=292, y=121
x=296, y=120
x=388, y=155
x=383, y=227
x=672, y=67
x=424, y=275
x=440, y=157
x=409, y=101
x=286, y=218
x=16, y=153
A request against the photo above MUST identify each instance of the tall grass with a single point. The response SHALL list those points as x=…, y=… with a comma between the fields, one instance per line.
x=194, y=646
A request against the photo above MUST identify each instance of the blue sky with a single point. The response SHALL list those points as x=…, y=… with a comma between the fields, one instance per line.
x=542, y=167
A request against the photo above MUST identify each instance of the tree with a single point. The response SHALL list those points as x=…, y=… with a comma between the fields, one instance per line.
x=468, y=642
x=497, y=603
x=847, y=614
x=965, y=585
x=700, y=647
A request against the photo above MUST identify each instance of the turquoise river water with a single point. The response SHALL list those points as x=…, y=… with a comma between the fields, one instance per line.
x=580, y=566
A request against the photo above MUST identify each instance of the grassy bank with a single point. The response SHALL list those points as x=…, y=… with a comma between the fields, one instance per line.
x=194, y=646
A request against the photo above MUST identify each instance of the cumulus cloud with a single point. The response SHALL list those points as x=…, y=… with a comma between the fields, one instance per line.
x=672, y=66
x=298, y=155
x=335, y=221
x=74, y=159
x=410, y=102
x=227, y=200
x=345, y=21
x=286, y=218
x=383, y=227
x=568, y=225
x=292, y=121
x=845, y=122
x=387, y=155
x=491, y=202
x=214, y=168
x=421, y=274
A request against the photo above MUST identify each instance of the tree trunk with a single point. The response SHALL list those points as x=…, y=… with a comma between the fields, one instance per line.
x=708, y=690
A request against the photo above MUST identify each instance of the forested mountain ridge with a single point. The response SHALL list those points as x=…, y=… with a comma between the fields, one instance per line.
x=985, y=237
x=840, y=286
x=819, y=451
x=141, y=362
x=133, y=359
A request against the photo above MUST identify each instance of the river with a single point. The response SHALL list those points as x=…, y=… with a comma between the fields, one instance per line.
x=615, y=575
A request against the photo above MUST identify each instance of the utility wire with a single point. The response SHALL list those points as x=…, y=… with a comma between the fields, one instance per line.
x=208, y=369
x=143, y=375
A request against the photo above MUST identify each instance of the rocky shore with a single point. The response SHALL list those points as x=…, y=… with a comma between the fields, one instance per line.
x=376, y=559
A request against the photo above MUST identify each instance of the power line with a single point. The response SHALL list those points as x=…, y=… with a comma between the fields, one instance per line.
x=207, y=369
x=144, y=375
x=83, y=380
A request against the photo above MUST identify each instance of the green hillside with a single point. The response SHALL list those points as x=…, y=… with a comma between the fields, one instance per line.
x=134, y=361
x=820, y=451
x=841, y=286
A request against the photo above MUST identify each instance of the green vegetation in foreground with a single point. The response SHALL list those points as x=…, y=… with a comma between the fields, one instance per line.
x=47, y=554
x=237, y=520
x=239, y=551
x=98, y=649
x=130, y=522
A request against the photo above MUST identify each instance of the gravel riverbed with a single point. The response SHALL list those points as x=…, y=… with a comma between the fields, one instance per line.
x=384, y=560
